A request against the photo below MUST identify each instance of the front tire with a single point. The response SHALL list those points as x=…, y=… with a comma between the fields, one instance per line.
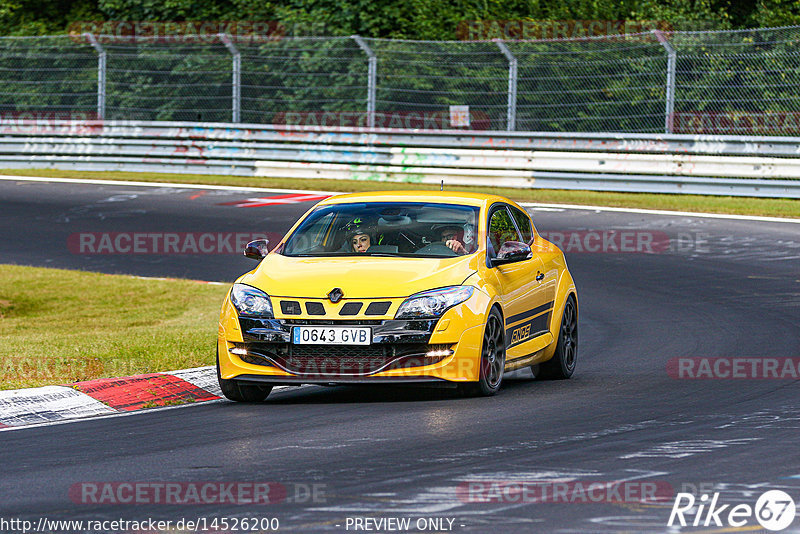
x=493, y=359
x=562, y=364
x=236, y=391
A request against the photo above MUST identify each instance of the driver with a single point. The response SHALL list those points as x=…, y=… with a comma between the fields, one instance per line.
x=452, y=237
x=360, y=241
x=359, y=236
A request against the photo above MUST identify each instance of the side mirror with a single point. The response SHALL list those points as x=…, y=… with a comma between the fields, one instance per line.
x=257, y=250
x=512, y=252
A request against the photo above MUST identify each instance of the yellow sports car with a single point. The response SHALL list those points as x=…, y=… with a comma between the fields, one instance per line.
x=444, y=288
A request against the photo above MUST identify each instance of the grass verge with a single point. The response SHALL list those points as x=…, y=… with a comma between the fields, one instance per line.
x=696, y=203
x=59, y=326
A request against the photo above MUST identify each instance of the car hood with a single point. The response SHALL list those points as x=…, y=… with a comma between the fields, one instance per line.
x=357, y=277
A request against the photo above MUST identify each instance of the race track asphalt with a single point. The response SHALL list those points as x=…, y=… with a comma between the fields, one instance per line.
x=710, y=288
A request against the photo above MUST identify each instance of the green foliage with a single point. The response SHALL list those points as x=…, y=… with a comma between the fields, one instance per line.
x=686, y=14
x=407, y=19
x=775, y=13
x=43, y=17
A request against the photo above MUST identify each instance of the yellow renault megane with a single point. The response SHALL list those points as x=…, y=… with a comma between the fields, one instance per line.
x=396, y=287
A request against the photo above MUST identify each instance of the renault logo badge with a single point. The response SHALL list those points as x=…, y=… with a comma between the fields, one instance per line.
x=335, y=295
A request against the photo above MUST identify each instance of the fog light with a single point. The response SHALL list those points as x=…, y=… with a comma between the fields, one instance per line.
x=438, y=353
x=239, y=351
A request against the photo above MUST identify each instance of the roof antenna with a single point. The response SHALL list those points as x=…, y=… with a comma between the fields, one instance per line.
x=441, y=187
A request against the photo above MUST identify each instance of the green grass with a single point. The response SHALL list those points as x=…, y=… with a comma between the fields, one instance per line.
x=696, y=203
x=59, y=326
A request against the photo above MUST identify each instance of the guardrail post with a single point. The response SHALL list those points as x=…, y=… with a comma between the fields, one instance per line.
x=372, y=79
x=236, y=82
x=101, y=75
x=671, y=67
x=511, y=112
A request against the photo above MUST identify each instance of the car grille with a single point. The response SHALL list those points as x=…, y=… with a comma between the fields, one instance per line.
x=292, y=307
x=326, y=360
x=351, y=322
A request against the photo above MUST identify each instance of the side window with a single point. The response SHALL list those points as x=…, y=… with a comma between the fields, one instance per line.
x=501, y=229
x=523, y=224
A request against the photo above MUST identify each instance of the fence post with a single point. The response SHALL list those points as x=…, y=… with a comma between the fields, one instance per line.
x=511, y=112
x=101, y=75
x=236, y=82
x=372, y=79
x=671, y=67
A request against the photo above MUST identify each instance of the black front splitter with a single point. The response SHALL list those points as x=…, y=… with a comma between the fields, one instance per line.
x=427, y=381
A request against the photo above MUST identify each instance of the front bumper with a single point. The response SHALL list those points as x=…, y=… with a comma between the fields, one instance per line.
x=401, y=351
x=447, y=349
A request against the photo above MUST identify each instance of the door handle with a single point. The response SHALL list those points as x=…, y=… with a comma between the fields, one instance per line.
x=540, y=277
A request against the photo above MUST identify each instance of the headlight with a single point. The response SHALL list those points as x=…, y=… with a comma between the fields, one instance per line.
x=432, y=304
x=251, y=302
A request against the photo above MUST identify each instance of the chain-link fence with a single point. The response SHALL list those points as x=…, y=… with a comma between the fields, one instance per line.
x=725, y=82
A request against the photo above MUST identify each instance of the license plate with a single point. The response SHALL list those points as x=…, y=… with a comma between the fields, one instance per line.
x=331, y=335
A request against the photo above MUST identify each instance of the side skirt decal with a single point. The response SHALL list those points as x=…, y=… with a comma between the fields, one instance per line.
x=529, y=329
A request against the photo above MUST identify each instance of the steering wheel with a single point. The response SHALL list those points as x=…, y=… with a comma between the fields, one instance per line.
x=437, y=249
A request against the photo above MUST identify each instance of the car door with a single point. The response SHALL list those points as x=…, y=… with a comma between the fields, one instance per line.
x=547, y=278
x=525, y=300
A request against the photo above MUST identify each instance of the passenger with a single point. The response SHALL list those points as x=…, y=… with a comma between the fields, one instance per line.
x=451, y=236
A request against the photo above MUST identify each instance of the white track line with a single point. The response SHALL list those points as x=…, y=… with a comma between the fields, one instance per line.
x=110, y=415
x=310, y=192
x=93, y=417
x=22, y=407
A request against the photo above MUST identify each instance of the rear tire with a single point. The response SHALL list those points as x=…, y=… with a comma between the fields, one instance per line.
x=236, y=391
x=562, y=364
x=493, y=359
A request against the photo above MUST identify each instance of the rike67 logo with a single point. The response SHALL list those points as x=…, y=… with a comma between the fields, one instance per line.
x=774, y=510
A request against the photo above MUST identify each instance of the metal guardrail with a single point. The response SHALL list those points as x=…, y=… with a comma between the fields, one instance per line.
x=660, y=163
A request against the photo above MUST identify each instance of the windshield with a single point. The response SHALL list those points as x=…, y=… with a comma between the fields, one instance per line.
x=386, y=228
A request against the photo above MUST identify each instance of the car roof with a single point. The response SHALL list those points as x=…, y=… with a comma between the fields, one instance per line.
x=444, y=197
